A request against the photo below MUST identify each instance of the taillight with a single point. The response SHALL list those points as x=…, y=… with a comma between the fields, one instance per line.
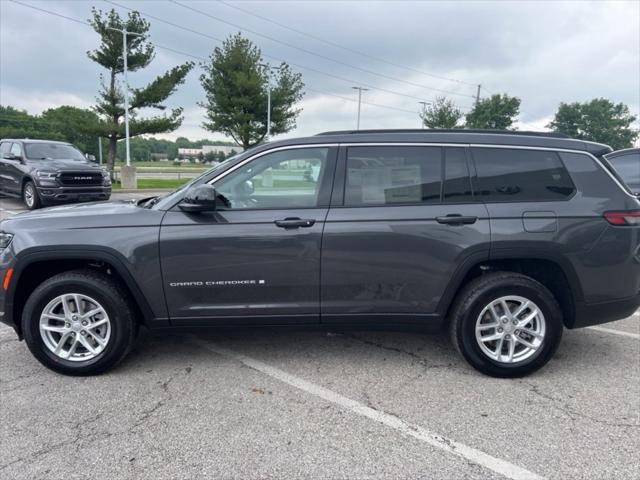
x=628, y=218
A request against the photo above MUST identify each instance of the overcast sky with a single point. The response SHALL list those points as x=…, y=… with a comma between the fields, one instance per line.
x=541, y=51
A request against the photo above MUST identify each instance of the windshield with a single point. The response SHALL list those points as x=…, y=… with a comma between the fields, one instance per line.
x=628, y=167
x=52, y=151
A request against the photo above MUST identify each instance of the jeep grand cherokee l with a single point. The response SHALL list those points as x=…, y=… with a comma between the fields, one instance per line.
x=44, y=172
x=504, y=238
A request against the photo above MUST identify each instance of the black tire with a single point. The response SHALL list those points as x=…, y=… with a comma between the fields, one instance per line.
x=111, y=296
x=30, y=196
x=479, y=293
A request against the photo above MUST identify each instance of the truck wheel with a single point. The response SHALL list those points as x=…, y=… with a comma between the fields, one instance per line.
x=30, y=196
x=506, y=324
x=79, y=323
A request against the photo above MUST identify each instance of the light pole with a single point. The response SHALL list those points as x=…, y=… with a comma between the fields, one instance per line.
x=126, y=97
x=424, y=109
x=360, y=90
x=269, y=67
x=126, y=88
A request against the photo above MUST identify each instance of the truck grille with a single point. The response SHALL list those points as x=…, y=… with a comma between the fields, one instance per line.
x=81, y=178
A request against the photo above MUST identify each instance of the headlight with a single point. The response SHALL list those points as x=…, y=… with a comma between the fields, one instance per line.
x=5, y=240
x=46, y=175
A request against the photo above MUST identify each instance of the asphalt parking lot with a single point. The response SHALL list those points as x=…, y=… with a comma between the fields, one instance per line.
x=314, y=404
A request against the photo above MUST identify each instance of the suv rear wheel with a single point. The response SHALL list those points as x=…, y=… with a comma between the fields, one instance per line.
x=506, y=324
x=30, y=196
x=79, y=323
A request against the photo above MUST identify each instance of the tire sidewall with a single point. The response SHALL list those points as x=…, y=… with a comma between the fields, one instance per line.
x=36, y=199
x=120, y=327
x=553, y=324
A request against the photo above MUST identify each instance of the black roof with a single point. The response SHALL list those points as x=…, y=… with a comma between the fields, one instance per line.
x=624, y=151
x=461, y=136
x=451, y=130
x=33, y=140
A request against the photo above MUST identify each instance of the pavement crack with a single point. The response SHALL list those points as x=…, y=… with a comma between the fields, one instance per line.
x=414, y=356
x=572, y=413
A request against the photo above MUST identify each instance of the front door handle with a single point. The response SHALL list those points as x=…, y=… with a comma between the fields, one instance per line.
x=295, y=222
x=457, y=219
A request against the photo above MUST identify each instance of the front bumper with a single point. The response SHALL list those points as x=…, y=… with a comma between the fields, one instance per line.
x=588, y=314
x=53, y=195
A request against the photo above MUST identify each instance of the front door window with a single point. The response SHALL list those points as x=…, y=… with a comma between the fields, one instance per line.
x=280, y=180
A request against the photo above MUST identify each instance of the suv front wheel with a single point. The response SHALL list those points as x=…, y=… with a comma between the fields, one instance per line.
x=30, y=196
x=506, y=324
x=79, y=323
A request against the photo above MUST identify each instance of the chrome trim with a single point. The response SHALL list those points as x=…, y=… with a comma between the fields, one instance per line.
x=616, y=152
x=265, y=152
x=423, y=144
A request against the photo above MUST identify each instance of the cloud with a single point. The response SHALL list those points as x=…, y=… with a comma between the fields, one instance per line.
x=542, y=52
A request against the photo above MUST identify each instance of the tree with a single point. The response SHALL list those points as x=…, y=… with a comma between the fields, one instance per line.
x=16, y=123
x=70, y=122
x=598, y=120
x=498, y=112
x=140, y=53
x=64, y=123
x=235, y=84
x=441, y=114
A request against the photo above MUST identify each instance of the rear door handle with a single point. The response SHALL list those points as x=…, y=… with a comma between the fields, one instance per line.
x=457, y=219
x=295, y=222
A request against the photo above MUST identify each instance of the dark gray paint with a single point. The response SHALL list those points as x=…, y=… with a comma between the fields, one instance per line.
x=368, y=262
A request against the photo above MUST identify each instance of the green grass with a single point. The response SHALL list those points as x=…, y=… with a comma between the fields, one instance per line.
x=166, y=166
x=151, y=183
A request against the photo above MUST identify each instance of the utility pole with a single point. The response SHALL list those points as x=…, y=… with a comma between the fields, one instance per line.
x=360, y=90
x=269, y=67
x=478, y=93
x=424, y=110
x=100, y=149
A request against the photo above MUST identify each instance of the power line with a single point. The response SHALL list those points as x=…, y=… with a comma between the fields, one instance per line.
x=348, y=49
x=310, y=52
x=87, y=24
x=297, y=65
x=389, y=107
x=196, y=57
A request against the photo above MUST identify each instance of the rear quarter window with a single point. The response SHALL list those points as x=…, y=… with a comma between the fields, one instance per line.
x=520, y=175
x=628, y=167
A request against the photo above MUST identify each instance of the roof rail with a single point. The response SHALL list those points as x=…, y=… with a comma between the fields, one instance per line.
x=456, y=130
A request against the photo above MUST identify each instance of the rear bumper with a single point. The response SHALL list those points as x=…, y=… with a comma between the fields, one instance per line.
x=588, y=314
x=54, y=195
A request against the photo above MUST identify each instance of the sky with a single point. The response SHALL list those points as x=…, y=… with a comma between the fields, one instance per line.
x=404, y=52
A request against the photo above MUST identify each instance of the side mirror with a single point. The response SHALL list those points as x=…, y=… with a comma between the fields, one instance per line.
x=200, y=198
x=11, y=156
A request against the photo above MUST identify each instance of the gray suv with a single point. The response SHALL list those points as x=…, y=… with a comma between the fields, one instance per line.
x=46, y=172
x=503, y=238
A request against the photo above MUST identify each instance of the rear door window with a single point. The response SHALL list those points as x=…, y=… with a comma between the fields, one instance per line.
x=392, y=175
x=520, y=175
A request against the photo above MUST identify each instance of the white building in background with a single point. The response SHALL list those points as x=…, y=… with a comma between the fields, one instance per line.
x=189, y=152
x=195, y=152
x=226, y=149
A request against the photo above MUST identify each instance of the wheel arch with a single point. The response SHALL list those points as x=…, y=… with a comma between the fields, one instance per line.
x=33, y=267
x=552, y=271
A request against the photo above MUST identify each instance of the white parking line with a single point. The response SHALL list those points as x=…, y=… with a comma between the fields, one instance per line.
x=616, y=332
x=478, y=457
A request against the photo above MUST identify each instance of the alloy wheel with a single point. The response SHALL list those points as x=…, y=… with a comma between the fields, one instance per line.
x=510, y=329
x=75, y=327
x=29, y=195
